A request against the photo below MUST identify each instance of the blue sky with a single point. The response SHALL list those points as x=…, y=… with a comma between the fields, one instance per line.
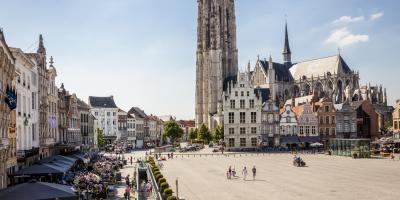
x=143, y=52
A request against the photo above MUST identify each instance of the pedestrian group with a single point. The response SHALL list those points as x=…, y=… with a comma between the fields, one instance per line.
x=232, y=173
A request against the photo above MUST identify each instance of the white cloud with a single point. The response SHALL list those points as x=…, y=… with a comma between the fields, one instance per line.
x=347, y=19
x=343, y=37
x=376, y=16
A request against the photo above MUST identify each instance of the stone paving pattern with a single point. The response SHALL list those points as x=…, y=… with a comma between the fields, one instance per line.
x=325, y=177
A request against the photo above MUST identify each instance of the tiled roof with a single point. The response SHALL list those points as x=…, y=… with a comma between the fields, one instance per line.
x=298, y=110
x=319, y=67
x=82, y=104
x=187, y=123
x=232, y=79
x=102, y=102
x=265, y=92
x=281, y=71
x=137, y=111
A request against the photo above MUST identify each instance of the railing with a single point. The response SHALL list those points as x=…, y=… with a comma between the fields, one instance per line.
x=155, y=185
x=231, y=154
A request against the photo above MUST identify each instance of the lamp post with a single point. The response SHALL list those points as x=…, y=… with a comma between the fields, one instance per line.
x=177, y=193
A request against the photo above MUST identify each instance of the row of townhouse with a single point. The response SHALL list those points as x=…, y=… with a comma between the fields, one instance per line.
x=134, y=127
x=38, y=119
x=252, y=119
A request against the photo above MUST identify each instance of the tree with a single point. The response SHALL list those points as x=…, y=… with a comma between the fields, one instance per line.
x=218, y=133
x=387, y=126
x=172, y=130
x=204, y=134
x=100, y=140
x=193, y=134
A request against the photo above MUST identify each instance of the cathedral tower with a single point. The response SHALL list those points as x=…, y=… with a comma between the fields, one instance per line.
x=216, y=57
x=287, y=54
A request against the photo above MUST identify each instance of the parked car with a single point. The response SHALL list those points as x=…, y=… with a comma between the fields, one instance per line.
x=216, y=149
x=211, y=144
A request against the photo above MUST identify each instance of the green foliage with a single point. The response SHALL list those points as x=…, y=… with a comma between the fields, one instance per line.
x=198, y=141
x=172, y=198
x=218, y=133
x=168, y=192
x=156, y=173
x=204, y=134
x=193, y=133
x=151, y=159
x=100, y=140
x=164, y=186
x=159, y=177
x=162, y=180
x=172, y=130
x=387, y=125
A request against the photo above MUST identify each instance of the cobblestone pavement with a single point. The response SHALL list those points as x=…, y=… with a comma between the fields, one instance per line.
x=325, y=177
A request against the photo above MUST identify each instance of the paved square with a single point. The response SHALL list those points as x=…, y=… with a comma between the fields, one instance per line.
x=326, y=177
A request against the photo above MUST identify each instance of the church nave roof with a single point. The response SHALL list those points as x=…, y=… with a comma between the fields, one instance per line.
x=319, y=67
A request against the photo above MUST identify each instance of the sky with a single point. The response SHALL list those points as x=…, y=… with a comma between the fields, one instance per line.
x=143, y=52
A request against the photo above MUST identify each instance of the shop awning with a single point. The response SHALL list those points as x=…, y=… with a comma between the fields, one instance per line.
x=38, y=169
x=37, y=190
x=290, y=139
x=51, y=165
x=310, y=139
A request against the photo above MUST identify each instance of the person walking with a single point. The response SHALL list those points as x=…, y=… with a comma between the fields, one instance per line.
x=254, y=170
x=127, y=192
x=127, y=180
x=244, y=173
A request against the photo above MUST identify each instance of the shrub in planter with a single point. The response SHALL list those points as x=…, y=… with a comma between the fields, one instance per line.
x=156, y=170
x=164, y=186
x=168, y=192
x=156, y=173
x=172, y=198
x=159, y=176
x=162, y=180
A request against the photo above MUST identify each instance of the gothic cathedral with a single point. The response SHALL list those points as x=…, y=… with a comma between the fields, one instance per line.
x=217, y=59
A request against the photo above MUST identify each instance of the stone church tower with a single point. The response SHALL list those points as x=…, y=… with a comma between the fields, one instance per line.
x=216, y=58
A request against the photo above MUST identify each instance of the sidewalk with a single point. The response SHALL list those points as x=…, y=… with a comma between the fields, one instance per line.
x=129, y=169
x=121, y=185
